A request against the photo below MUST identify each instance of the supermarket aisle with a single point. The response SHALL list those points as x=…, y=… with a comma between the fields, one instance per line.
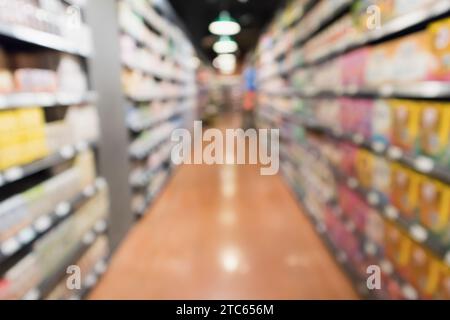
x=224, y=232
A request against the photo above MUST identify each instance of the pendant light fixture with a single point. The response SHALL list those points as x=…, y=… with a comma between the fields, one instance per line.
x=225, y=44
x=225, y=25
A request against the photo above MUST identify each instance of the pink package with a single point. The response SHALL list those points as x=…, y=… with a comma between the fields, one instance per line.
x=347, y=116
x=363, y=121
x=348, y=159
x=354, y=64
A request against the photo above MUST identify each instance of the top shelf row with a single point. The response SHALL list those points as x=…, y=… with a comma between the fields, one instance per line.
x=58, y=28
x=394, y=27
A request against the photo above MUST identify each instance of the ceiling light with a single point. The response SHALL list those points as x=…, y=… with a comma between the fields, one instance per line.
x=225, y=45
x=225, y=25
x=226, y=63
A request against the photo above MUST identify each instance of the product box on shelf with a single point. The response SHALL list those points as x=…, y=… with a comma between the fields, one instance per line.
x=405, y=123
x=422, y=270
x=355, y=64
x=381, y=122
x=381, y=177
x=443, y=290
x=440, y=42
x=22, y=137
x=364, y=167
x=413, y=59
x=375, y=228
x=434, y=204
x=397, y=246
x=434, y=133
x=35, y=80
x=404, y=184
x=379, y=65
x=349, y=158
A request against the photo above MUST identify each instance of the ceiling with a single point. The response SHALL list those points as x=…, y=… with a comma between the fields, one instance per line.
x=252, y=15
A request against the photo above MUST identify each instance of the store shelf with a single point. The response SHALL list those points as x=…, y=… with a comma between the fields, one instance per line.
x=340, y=257
x=42, y=225
x=376, y=200
x=92, y=279
x=321, y=25
x=371, y=250
x=161, y=97
x=42, y=39
x=64, y=154
x=141, y=179
x=417, y=90
x=416, y=231
x=420, y=164
x=150, y=198
x=157, y=120
x=145, y=153
x=24, y=100
x=153, y=72
x=397, y=26
x=47, y=285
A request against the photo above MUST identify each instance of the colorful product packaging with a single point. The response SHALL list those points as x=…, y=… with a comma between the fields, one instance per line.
x=434, y=133
x=348, y=159
x=381, y=177
x=434, y=204
x=354, y=65
x=413, y=60
x=405, y=123
x=375, y=227
x=423, y=270
x=440, y=44
x=364, y=167
x=397, y=246
x=404, y=184
x=379, y=69
x=443, y=290
x=381, y=122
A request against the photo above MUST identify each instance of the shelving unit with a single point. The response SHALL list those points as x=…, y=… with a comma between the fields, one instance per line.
x=168, y=101
x=30, y=186
x=332, y=152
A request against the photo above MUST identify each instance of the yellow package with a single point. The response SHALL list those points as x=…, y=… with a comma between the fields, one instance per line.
x=364, y=167
x=405, y=123
x=404, y=188
x=434, y=204
x=8, y=126
x=11, y=156
x=440, y=45
x=397, y=245
x=423, y=270
x=434, y=128
x=86, y=163
x=443, y=290
x=31, y=118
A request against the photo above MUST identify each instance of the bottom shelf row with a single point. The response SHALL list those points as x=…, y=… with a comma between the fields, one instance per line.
x=64, y=262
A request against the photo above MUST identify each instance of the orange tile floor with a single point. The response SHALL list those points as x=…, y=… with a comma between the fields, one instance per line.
x=224, y=232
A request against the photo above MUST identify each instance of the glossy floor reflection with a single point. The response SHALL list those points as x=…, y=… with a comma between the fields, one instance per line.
x=224, y=232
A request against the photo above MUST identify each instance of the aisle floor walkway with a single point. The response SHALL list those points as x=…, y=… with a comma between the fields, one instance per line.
x=224, y=232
